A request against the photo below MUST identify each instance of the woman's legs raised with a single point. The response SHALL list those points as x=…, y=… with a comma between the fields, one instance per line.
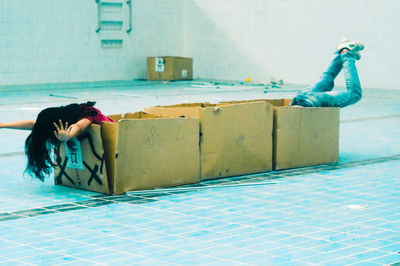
x=353, y=91
x=326, y=82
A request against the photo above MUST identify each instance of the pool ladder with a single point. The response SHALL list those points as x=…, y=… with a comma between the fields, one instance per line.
x=110, y=21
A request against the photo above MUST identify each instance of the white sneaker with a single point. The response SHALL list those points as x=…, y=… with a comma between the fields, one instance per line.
x=353, y=46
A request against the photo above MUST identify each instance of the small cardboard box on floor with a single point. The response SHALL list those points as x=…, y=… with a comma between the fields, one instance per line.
x=235, y=139
x=138, y=151
x=303, y=136
x=169, y=68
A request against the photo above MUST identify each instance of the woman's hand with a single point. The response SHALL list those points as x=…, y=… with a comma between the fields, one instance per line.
x=65, y=132
x=62, y=133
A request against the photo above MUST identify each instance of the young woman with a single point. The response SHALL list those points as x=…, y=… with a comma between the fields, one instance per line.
x=52, y=125
x=321, y=94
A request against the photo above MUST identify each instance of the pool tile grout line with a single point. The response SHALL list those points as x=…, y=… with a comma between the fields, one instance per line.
x=142, y=197
x=85, y=204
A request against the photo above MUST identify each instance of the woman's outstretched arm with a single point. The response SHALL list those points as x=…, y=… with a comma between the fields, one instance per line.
x=23, y=124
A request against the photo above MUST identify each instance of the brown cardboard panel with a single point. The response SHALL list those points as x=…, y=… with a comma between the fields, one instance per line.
x=183, y=68
x=185, y=105
x=139, y=115
x=241, y=136
x=109, y=132
x=116, y=117
x=168, y=74
x=305, y=136
x=297, y=148
x=274, y=102
x=204, y=104
x=94, y=175
x=151, y=73
x=306, y=117
x=236, y=139
x=242, y=101
x=157, y=153
x=175, y=111
x=279, y=102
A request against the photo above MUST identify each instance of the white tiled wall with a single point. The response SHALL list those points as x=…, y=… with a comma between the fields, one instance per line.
x=45, y=41
x=292, y=39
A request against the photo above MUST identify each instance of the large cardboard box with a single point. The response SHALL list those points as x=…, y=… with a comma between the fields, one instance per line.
x=138, y=151
x=169, y=68
x=235, y=139
x=303, y=136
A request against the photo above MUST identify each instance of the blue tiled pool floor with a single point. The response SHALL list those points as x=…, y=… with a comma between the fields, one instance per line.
x=340, y=214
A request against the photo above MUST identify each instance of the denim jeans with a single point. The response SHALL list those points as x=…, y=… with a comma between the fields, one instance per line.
x=321, y=94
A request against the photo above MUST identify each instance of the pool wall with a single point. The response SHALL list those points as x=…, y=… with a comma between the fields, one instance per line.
x=56, y=41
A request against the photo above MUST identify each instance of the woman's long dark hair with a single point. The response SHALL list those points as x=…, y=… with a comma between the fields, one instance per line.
x=39, y=143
